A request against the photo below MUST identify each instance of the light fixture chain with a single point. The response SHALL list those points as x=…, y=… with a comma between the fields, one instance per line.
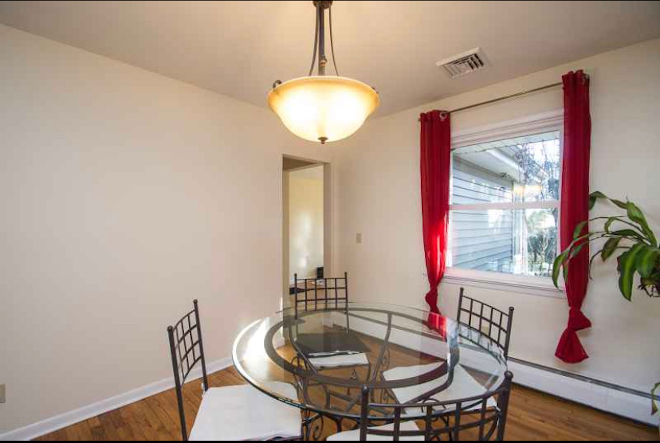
x=316, y=43
x=332, y=44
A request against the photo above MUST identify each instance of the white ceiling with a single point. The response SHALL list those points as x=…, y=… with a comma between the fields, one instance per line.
x=240, y=48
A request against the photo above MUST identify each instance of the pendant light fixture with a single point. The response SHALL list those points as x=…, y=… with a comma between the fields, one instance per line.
x=323, y=108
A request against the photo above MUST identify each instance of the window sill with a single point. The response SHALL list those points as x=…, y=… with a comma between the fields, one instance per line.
x=541, y=287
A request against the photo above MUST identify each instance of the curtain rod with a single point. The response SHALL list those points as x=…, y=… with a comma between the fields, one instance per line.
x=506, y=97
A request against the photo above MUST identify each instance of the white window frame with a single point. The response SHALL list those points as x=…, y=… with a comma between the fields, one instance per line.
x=525, y=284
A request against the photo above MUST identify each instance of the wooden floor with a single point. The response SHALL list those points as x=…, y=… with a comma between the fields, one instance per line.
x=532, y=416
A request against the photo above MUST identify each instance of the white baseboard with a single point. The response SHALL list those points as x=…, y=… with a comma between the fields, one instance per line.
x=53, y=424
x=601, y=396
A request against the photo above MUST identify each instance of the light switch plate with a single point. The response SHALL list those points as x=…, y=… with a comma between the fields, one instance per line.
x=3, y=394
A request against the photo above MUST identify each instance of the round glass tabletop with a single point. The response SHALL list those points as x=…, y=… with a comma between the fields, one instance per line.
x=322, y=360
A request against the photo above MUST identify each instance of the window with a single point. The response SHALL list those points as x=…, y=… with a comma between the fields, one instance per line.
x=505, y=205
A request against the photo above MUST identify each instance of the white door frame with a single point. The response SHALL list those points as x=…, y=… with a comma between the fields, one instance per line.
x=327, y=220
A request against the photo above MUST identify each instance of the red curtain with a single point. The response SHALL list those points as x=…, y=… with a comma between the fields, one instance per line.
x=435, y=170
x=575, y=207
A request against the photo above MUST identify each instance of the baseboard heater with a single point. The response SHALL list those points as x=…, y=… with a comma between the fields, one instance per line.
x=604, y=396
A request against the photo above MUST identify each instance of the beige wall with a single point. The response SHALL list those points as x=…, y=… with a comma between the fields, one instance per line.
x=124, y=196
x=379, y=196
x=306, y=222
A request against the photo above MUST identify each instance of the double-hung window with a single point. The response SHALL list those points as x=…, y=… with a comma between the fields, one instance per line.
x=505, y=196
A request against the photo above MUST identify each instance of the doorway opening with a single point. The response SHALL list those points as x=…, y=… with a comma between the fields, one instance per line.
x=306, y=222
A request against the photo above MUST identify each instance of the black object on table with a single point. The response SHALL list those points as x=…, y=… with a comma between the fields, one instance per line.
x=325, y=345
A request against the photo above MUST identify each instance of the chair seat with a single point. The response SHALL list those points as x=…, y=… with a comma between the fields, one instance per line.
x=355, y=435
x=340, y=361
x=244, y=413
x=463, y=386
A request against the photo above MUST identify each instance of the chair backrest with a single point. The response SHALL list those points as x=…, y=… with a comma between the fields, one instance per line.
x=495, y=324
x=187, y=349
x=327, y=293
x=475, y=415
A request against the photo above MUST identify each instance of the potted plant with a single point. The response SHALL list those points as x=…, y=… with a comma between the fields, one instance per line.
x=639, y=255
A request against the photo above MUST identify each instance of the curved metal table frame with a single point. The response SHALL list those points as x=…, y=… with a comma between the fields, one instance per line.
x=307, y=375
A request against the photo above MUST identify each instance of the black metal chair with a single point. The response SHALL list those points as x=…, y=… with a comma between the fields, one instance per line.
x=311, y=295
x=434, y=420
x=481, y=327
x=327, y=294
x=226, y=413
x=487, y=320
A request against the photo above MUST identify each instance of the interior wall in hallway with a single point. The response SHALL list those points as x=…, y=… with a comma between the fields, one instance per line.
x=306, y=222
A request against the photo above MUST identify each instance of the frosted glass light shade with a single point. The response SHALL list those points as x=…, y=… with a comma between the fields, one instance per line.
x=321, y=109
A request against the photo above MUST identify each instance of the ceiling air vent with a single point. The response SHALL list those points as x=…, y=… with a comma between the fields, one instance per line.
x=465, y=63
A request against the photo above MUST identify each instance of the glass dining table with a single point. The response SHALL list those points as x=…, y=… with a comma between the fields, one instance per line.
x=398, y=354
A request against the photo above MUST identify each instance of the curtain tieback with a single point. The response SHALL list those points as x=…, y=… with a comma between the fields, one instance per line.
x=438, y=323
x=577, y=321
x=432, y=300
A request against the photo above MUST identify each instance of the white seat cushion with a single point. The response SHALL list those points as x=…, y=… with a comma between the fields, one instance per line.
x=244, y=413
x=355, y=435
x=340, y=361
x=463, y=386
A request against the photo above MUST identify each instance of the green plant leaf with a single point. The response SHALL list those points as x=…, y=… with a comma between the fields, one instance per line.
x=585, y=238
x=576, y=250
x=619, y=203
x=579, y=228
x=609, y=223
x=557, y=265
x=629, y=233
x=635, y=214
x=610, y=247
x=594, y=197
x=611, y=220
x=627, y=270
x=591, y=262
x=654, y=394
x=646, y=261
